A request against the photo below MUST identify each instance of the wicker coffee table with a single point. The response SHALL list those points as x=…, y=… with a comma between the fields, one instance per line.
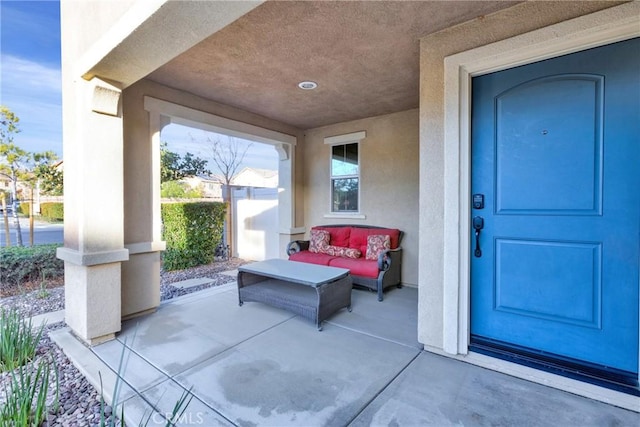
x=309, y=290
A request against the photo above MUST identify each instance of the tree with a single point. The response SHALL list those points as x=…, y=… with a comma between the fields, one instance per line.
x=50, y=177
x=193, y=166
x=173, y=166
x=169, y=164
x=13, y=158
x=179, y=190
x=228, y=158
x=20, y=165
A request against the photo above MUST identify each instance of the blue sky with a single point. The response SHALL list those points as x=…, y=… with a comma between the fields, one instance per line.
x=30, y=71
x=30, y=85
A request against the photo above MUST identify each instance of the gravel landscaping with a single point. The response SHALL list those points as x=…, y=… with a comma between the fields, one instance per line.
x=79, y=402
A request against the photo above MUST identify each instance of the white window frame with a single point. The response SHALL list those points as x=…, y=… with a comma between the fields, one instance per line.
x=350, y=138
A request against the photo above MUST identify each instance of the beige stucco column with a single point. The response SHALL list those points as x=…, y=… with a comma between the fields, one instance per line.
x=93, y=248
x=143, y=222
x=286, y=197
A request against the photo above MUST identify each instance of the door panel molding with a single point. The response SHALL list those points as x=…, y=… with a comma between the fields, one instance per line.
x=593, y=30
x=568, y=99
x=514, y=276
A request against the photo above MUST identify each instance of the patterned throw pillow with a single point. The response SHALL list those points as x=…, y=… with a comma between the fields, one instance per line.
x=343, y=252
x=377, y=243
x=351, y=253
x=318, y=241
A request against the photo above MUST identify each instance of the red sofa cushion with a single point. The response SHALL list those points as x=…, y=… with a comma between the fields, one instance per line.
x=339, y=235
x=311, y=257
x=358, y=239
x=357, y=267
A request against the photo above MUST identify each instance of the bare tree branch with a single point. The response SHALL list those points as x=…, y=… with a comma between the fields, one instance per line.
x=228, y=157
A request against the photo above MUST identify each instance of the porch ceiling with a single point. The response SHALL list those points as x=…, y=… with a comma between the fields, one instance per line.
x=363, y=55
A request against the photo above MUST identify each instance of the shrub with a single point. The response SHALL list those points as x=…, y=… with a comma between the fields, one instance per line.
x=52, y=210
x=194, y=193
x=180, y=190
x=24, y=208
x=192, y=232
x=172, y=189
x=24, y=264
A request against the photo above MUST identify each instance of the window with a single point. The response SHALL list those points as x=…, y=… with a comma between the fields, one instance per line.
x=345, y=178
x=345, y=175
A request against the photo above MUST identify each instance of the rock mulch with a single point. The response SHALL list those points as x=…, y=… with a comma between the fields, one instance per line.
x=79, y=402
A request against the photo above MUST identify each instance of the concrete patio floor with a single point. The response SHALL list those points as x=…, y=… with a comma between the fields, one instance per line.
x=257, y=365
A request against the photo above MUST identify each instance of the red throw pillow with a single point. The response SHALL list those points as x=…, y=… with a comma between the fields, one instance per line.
x=318, y=241
x=377, y=243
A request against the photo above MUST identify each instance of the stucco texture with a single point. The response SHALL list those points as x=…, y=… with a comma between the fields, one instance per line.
x=388, y=174
x=103, y=16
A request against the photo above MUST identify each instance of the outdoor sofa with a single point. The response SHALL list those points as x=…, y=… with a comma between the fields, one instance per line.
x=372, y=254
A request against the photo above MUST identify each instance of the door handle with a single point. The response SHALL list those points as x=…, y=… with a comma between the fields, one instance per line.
x=478, y=224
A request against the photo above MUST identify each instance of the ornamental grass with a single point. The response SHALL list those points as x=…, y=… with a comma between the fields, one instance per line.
x=18, y=340
x=25, y=395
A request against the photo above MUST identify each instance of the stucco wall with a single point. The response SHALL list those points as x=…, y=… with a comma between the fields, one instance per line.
x=388, y=174
x=92, y=19
x=434, y=49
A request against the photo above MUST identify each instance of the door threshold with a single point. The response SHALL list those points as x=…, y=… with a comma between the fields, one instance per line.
x=610, y=378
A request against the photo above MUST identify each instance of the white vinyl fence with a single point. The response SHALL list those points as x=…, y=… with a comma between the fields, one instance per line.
x=256, y=223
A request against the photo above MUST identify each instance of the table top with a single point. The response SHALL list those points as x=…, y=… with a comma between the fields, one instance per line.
x=293, y=271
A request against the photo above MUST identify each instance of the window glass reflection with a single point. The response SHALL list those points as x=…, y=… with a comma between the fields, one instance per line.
x=344, y=159
x=345, y=194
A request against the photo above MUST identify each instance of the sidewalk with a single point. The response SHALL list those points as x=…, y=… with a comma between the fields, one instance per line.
x=24, y=223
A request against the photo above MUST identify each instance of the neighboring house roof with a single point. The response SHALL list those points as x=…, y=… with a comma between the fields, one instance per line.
x=254, y=177
x=201, y=179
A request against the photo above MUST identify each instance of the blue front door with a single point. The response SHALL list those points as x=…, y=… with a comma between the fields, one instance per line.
x=556, y=154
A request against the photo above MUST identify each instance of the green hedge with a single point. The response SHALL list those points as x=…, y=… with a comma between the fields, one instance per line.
x=24, y=208
x=52, y=210
x=192, y=232
x=23, y=264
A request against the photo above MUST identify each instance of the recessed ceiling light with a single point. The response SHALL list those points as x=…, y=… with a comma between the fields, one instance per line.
x=308, y=85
